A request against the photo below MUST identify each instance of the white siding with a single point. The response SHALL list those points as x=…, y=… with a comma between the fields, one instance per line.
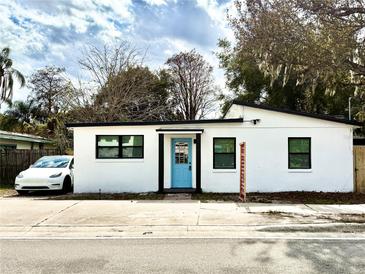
x=267, y=156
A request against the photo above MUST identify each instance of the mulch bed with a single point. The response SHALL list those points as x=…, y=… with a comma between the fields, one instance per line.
x=110, y=196
x=294, y=197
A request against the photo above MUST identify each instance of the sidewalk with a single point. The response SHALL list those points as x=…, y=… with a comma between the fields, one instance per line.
x=30, y=218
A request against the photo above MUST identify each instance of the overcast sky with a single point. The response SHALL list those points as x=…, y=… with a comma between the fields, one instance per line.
x=54, y=32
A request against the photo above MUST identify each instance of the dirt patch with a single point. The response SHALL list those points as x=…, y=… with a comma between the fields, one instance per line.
x=295, y=197
x=254, y=197
x=206, y=197
x=178, y=197
x=339, y=217
x=336, y=228
x=110, y=196
x=304, y=197
x=7, y=190
x=345, y=218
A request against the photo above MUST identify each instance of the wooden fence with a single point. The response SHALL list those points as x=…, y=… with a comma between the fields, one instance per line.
x=359, y=165
x=15, y=160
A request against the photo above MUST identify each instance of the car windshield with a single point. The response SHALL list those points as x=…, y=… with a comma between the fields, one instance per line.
x=51, y=162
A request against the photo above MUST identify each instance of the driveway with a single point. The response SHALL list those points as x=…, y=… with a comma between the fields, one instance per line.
x=29, y=217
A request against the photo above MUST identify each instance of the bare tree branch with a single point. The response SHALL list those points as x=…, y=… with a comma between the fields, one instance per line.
x=192, y=85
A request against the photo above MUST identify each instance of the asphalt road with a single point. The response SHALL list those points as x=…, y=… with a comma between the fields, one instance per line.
x=182, y=256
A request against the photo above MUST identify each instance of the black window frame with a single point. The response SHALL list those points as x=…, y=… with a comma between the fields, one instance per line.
x=120, y=146
x=234, y=153
x=300, y=153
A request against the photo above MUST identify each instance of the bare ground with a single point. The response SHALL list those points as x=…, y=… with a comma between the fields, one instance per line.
x=294, y=197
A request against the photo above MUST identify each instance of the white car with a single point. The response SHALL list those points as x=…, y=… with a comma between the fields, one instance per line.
x=48, y=173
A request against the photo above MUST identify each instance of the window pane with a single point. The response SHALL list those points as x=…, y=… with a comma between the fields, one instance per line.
x=132, y=152
x=224, y=161
x=224, y=145
x=108, y=141
x=299, y=145
x=299, y=161
x=130, y=140
x=181, y=153
x=108, y=152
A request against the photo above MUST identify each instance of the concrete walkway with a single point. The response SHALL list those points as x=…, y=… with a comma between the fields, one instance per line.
x=105, y=218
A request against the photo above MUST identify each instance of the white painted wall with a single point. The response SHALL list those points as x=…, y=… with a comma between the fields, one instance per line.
x=267, y=156
x=114, y=175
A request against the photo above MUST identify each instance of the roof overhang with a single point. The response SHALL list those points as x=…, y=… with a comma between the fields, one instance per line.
x=299, y=113
x=180, y=130
x=23, y=137
x=152, y=123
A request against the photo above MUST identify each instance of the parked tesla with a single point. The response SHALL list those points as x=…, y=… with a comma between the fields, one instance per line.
x=48, y=173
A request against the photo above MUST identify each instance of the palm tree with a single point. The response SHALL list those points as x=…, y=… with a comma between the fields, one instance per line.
x=7, y=74
x=22, y=111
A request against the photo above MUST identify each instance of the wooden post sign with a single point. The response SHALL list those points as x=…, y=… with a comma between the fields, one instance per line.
x=243, y=172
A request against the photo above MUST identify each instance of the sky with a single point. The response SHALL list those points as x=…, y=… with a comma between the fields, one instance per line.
x=55, y=32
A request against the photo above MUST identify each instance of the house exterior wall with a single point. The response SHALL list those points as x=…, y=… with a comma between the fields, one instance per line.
x=115, y=175
x=19, y=144
x=24, y=144
x=266, y=156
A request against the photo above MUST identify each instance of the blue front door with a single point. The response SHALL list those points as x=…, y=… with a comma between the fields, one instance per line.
x=181, y=163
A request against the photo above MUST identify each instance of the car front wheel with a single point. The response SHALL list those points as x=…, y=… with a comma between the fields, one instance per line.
x=22, y=192
x=66, y=187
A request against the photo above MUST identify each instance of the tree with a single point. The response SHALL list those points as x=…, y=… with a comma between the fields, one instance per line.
x=19, y=117
x=22, y=111
x=103, y=62
x=192, y=85
x=248, y=83
x=317, y=42
x=134, y=94
x=125, y=88
x=49, y=86
x=303, y=55
x=7, y=75
x=49, y=89
x=8, y=123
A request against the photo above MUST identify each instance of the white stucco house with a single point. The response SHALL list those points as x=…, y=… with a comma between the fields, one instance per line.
x=285, y=151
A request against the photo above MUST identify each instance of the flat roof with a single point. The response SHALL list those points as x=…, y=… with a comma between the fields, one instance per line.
x=151, y=123
x=8, y=135
x=300, y=113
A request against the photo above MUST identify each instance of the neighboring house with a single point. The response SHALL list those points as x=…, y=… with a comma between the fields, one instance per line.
x=285, y=151
x=13, y=140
